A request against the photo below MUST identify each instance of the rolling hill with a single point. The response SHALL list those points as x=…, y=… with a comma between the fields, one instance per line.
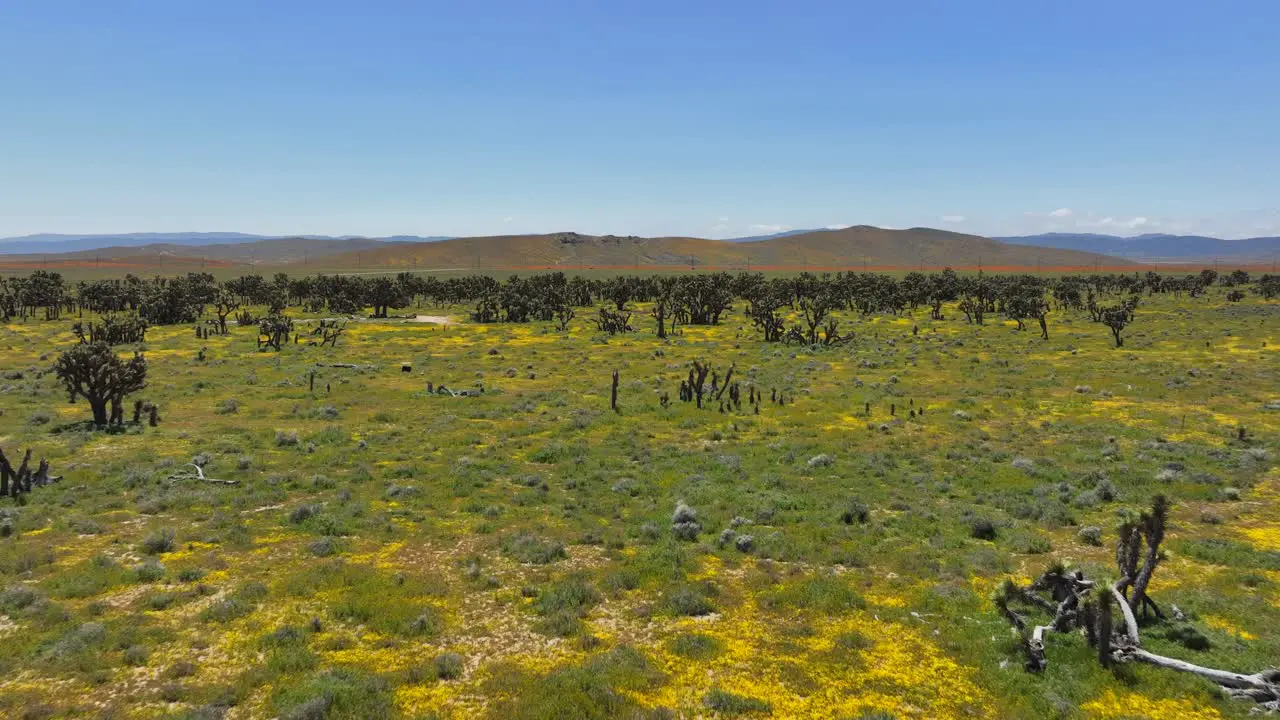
x=859, y=246
x=267, y=251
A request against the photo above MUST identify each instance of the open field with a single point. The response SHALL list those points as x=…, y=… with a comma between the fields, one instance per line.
x=390, y=552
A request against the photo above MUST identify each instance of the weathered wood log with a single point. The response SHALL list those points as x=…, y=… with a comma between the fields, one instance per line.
x=1074, y=608
x=199, y=475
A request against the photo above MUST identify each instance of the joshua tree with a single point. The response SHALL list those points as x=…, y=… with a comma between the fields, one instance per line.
x=224, y=304
x=1117, y=317
x=95, y=372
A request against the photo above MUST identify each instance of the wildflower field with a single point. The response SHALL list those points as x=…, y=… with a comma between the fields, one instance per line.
x=529, y=552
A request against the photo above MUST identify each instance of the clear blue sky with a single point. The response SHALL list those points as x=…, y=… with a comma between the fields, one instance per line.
x=649, y=117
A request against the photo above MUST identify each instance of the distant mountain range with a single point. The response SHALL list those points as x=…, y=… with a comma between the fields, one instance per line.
x=53, y=243
x=1158, y=246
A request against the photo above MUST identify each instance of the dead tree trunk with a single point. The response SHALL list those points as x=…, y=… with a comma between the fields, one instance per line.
x=1077, y=609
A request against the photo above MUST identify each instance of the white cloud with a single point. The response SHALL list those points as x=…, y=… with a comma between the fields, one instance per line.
x=768, y=228
x=1117, y=223
x=1061, y=213
x=954, y=219
x=507, y=219
x=836, y=227
x=724, y=219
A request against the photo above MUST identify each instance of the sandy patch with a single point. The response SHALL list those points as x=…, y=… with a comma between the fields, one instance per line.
x=433, y=319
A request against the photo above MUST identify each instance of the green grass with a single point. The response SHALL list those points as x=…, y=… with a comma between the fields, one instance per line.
x=512, y=554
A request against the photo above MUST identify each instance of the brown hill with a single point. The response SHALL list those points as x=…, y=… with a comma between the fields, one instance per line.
x=855, y=247
x=270, y=251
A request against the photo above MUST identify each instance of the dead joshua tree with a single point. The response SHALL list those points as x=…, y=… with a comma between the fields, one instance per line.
x=613, y=393
x=150, y=408
x=614, y=322
x=564, y=314
x=328, y=331
x=1081, y=604
x=692, y=389
x=112, y=330
x=273, y=331
x=15, y=482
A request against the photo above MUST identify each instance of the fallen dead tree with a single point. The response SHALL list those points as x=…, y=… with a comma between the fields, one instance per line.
x=1078, y=604
x=433, y=389
x=199, y=475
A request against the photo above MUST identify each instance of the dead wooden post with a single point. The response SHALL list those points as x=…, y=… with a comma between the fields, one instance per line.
x=311, y=381
x=893, y=410
x=866, y=408
x=613, y=393
x=154, y=420
x=137, y=412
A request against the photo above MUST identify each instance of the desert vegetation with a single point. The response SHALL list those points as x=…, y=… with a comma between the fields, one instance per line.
x=700, y=495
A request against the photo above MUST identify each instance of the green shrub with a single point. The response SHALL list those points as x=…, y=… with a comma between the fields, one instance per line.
x=448, y=666
x=242, y=601
x=158, y=542
x=855, y=513
x=335, y=694
x=688, y=600
x=731, y=704
x=149, y=572
x=826, y=593
x=529, y=548
x=1230, y=553
x=695, y=646
x=982, y=529
x=136, y=656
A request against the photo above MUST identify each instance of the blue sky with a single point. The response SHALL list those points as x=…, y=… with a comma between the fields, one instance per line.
x=656, y=117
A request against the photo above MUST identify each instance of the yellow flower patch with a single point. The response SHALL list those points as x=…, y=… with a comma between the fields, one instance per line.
x=899, y=670
x=1226, y=626
x=1136, y=706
